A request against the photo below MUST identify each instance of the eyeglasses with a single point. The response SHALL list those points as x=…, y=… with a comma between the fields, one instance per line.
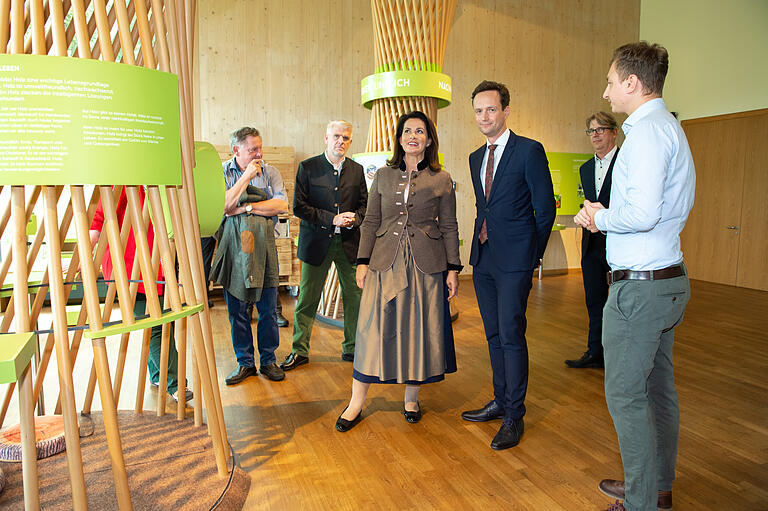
x=599, y=131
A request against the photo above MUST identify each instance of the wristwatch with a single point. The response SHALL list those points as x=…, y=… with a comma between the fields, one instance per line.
x=248, y=208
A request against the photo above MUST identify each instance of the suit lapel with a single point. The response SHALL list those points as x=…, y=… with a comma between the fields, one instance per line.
x=475, y=161
x=605, y=191
x=506, y=157
x=588, y=182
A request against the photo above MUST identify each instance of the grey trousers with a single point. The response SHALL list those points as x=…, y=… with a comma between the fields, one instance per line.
x=638, y=322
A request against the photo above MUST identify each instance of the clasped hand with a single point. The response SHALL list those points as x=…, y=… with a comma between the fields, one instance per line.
x=586, y=215
x=345, y=219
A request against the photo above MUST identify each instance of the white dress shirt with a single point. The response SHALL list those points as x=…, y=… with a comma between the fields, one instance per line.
x=601, y=169
x=652, y=192
x=500, y=143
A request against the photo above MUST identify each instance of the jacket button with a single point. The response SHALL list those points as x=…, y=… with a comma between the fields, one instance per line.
x=410, y=205
x=411, y=234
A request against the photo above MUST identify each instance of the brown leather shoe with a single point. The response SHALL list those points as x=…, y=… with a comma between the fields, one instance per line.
x=615, y=489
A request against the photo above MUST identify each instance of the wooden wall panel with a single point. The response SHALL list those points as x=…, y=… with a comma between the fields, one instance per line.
x=287, y=67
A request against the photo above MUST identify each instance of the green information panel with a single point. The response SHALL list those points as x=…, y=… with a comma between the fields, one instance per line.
x=406, y=83
x=564, y=168
x=209, y=188
x=81, y=121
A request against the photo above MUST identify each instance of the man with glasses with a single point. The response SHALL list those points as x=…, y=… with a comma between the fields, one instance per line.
x=596, y=183
x=246, y=260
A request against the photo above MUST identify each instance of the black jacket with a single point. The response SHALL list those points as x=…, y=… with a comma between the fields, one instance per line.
x=595, y=240
x=321, y=193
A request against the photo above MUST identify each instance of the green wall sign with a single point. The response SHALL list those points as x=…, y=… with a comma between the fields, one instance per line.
x=406, y=83
x=564, y=168
x=80, y=121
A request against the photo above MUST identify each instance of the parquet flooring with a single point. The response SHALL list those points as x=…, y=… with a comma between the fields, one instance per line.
x=284, y=436
x=284, y=432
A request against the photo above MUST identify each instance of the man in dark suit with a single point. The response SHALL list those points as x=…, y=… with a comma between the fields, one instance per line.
x=515, y=214
x=596, y=183
x=330, y=198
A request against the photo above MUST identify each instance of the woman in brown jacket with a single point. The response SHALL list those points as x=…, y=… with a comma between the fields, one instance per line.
x=407, y=265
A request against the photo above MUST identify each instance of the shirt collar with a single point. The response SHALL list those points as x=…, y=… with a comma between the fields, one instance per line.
x=421, y=166
x=642, y=111
x=501, y=141
x=232, y=165
x=336, y=167
x=609, y=155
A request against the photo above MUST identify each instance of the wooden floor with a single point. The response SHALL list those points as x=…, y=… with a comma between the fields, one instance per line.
x=284, y=436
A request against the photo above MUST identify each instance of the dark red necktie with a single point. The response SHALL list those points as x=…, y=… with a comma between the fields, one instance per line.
x=483, y=237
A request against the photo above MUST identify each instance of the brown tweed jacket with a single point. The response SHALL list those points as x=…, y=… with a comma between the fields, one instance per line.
x=427, y=216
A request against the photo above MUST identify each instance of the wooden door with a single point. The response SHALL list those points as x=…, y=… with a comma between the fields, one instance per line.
x=710, y=240
x=725, y=239
x=753, y=232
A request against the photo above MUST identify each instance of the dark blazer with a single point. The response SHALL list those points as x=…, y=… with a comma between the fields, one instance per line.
x=520, y=210
x=429, y=213
x=595, y=240
x=319, y=192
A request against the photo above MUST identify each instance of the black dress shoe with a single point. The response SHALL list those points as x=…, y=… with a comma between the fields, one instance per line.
x=489, y=412
x=281, y=321
x=293, y=361
x=272, y=372
x=348, y=357
x=412, y=417
x=509, y=435
x=585, y=361
x=343, y=425
x=240, y=374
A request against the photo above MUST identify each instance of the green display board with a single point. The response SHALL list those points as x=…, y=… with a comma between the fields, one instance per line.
x=209, y=188
x=82, y=121
x=564, y=168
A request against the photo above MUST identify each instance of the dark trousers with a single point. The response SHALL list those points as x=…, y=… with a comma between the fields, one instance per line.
x=155, y=345
x=207, y=246
x=502, y=298
x=267, y=335
x=593, y=273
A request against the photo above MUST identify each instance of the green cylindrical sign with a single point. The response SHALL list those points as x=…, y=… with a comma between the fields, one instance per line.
x=406, y=83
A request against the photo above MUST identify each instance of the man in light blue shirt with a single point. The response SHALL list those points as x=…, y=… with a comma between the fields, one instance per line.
x=244, y=169
x=651, y=196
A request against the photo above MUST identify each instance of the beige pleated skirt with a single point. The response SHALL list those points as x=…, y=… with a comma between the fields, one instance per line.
x=404, y=332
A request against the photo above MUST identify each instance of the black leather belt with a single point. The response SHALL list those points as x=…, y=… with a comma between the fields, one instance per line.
x=664, y=273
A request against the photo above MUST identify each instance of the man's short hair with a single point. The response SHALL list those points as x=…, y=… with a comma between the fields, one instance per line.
x=344, y=125
x=498, y=87
x=649, y=62
x=603, y=119
x=237, y=137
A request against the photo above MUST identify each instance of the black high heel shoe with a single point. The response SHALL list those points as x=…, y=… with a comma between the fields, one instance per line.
x=412, y=417
x=343, y=425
